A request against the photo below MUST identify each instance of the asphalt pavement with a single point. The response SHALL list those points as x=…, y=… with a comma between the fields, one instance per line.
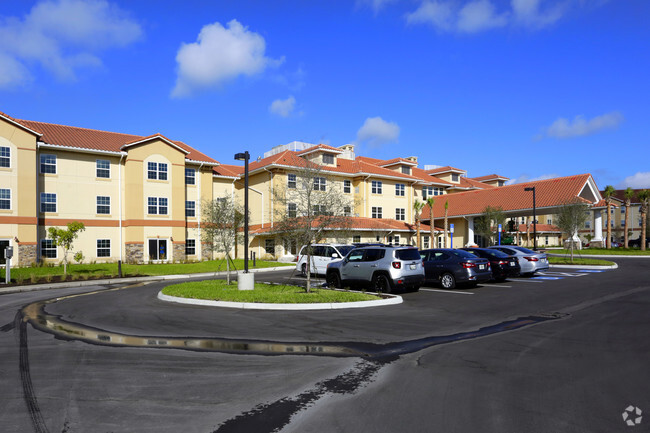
x=566, y=351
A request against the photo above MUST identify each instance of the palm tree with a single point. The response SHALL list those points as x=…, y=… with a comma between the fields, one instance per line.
x=430, y=202
x=446, y=224
x=629, y=193
x=417, y=208
x=644, y=198
x=607, y=195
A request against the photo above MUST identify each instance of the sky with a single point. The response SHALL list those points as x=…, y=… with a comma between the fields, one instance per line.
x=527, y=89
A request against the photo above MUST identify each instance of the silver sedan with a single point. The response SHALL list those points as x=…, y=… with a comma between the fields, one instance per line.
x=529, y=260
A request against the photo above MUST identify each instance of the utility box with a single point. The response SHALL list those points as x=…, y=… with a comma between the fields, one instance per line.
x=9, y=252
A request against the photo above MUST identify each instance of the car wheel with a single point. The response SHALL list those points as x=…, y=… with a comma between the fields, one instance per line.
x=500, y=279
x=334, y=281
x=303, y=270
x=447, y=281
x=381, y=284
x=415, y=288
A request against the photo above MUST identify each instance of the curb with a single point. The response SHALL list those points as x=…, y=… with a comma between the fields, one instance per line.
x=108, y=281
x=392, y=300
x=614, y=266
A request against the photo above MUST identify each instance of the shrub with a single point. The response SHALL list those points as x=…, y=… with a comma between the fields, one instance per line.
x=33, y=278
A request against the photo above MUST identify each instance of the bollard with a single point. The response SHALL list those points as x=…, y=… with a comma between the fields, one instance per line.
x=119, y=268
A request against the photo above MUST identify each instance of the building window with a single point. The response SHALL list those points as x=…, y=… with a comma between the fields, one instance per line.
x=319, y=209
x=5, y=198
x=587, y=224
x=190, y=208
x=5, y=157
x=103, y=204
x=623, y=223
x=376, y=212
x=157, y=249
x=328, y=159
x=157, y=170
x=347, y=186
x=400, y=214
x=269, y=246
x=399, y=189
x=622, y=209
x=48, y=202
x=48, y=164
x=406, y=169
x=190, y=247
x=103, y=247
x=320, y=184
x=103, y=169
x=48, y=249
x=190, y=176
x=157, y=206
x=425, y=242
x=292, y=210
x=356, y=239
x=291, y=181
x=455, y=177
x=549, y=221
x=347, y=211
x=427, y=191
x=376, y=187
x=437, y=191
x=545, y=240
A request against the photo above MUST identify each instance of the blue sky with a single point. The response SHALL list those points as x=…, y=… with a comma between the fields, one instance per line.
x=527, y=89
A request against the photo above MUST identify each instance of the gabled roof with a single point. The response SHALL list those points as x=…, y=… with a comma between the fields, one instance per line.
x=446, y=169
x=620, y=194
x=473, y=184
x=397, y=161
x=73, y=137
x=227, y=170
x=324, y=148
x=427, y=178
x=362, y=224
x=153, y=138
x=18, y=123
x=489, y=177
x=548, y=193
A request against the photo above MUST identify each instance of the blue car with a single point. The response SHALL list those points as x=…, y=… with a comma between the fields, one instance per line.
x=449, y=267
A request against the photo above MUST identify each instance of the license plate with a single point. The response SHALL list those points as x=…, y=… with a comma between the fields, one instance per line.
x=481, y=266
x=512, y=263
x=413, y=266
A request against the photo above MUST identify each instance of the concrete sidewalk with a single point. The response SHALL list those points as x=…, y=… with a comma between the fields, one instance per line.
x=4, y=290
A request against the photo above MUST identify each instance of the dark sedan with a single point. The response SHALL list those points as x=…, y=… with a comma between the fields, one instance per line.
x=449, y=267
x=503, y=266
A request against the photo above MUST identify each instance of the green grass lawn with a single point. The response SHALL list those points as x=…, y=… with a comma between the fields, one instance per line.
x=566, y=260
x=604, y=252
x=109, y=270
x=218, y=290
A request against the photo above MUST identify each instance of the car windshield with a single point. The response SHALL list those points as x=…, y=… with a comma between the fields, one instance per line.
x=496, y=253
x=345, y=249
x=463, y=254
x=525, y=250
x=408, y=254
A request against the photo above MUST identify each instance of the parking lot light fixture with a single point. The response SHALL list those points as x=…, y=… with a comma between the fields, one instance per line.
x=532, y=188
x=246, y=283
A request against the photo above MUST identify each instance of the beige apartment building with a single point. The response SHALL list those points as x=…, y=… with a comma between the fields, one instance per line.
x=141, y=198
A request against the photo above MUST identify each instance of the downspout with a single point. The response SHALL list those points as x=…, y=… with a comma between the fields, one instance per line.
x=200, y=200
x=365, y=187
x=119, y=191
x=271, y=211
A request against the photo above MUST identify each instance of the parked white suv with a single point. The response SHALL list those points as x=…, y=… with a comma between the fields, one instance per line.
x=321, y=255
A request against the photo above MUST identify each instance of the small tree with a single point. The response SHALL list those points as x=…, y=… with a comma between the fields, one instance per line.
x=644, y=198
x=221, y=220
x=311, y=206
x=65, y=239
x=608, y=194
x=417, y=210
x=488, y=222
x=628, y=194
x=431, y=201
x=570, y=217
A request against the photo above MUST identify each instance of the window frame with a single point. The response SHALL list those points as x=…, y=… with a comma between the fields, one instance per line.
x=427, y=191
x=47, y=160
x=192, y=176
x=455, y=177
x=156, y=203
x=271, y=249
x=292, y=181
x=105, y=249
x=105, y=171
x=103, y=205
x=400, y=190
x=5, y=157
x=377, y=212
x=292, y=210
x=45, y=203
x=376, y=187
x=157, y=171
x=51, y=247
x=320, y=184
x=328, y=159
x=190, y=250
x=400, y=214
x=190, y=208
x=347, y=186
x=6, y=199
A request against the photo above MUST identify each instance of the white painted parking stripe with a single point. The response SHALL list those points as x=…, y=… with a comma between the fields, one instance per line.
x=447, y=291
x=496, y=285
x=528, y=281
x=561, y=274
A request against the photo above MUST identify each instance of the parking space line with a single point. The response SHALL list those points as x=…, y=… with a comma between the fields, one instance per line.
x=495, y=285
x=446, y=291
x=529, y=281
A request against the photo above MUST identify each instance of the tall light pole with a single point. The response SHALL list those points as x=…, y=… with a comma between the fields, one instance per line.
x=245, y=283
x=532, y=188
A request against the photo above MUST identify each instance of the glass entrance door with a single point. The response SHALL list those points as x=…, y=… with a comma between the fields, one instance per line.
x=157, y=249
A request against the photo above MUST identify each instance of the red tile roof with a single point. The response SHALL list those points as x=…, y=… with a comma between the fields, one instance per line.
x=228, y=170
x=363, y=224
x=394, y=161
x=445, y=169
x=490, y=177
x=92, y=139
x=549, y=193
x=425, y=176
x=318, y=147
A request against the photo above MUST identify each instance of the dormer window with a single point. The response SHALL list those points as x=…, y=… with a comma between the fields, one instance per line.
x=328, y=159
x=455, y=177
x=406, y=169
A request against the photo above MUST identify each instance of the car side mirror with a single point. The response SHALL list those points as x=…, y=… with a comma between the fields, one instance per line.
x=335, y=256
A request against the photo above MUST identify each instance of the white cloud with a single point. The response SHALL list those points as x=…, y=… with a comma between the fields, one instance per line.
x=479, y=15
x=563, y=128
x=376, y=131
x=375, y=5
x=438, y=14
x=283, y=107
x=62, y=35
x=218, y=55
x=527, y=12
x=526, y=178
x=637, y=181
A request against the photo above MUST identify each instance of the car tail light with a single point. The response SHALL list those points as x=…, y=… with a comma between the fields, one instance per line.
x=468, y=265
x=397, y=265
x=531, y=259
x=504, y=262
